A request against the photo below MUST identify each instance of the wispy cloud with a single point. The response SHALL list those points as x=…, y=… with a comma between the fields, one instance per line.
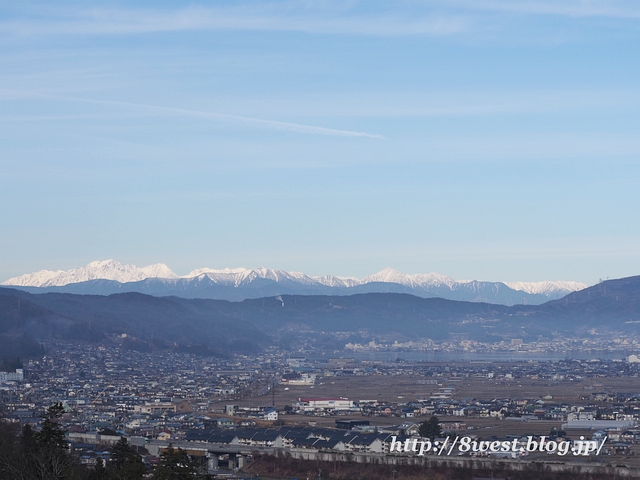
x=443, y=103
x=256, y=18
x=429, y=17
x=570, y=8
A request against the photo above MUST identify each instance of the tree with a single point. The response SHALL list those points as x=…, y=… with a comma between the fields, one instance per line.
x=126, y=463
x=37, y=456
x=430, y=428
x=51, y=459
x=10, y=364
x=28, y=443
x=99, y=472
x=9, y=447
x=52, y=434
x=175, y=465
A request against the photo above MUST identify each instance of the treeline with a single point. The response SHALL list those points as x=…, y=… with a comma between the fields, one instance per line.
x=13, y=347
x=151, y=323
x=44, y=455
x=288, y=467
x=10, y=364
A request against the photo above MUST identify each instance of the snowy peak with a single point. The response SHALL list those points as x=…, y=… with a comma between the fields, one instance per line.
x=244, y=276
x=37, y=279
x=333, y=281
x=547, y=288
x=104, y=269
x=389, y=275
x=429, y=284
x=200, y=271
x=158, y=270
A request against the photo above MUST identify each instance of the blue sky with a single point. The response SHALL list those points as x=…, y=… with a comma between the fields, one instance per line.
x=496, y=140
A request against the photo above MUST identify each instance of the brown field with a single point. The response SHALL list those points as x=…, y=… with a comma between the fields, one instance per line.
x=379, y=387
x=404, y=388
x=576, y=393
x=391, y=389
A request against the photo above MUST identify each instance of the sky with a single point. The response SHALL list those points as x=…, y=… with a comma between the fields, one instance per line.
x=486, y=139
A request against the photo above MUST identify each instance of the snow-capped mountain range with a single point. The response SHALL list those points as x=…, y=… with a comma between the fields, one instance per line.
x=107, y=270
x=110, y=276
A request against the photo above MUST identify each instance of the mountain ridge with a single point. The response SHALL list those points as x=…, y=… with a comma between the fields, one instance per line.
x=109, y=276
x=248, y=325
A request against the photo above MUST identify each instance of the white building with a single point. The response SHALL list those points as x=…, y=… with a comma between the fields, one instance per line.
x=302, y=379
x=270, y=414
x=18, y=376
x=322, y=403
x=599, y=424
x=151, y=408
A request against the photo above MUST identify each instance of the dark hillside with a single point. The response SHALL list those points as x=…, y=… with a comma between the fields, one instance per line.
x=251, y=324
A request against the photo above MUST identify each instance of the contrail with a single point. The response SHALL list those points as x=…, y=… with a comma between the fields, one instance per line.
x=273, y=124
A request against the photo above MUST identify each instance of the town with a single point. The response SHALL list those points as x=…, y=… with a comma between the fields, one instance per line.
x=313, y=403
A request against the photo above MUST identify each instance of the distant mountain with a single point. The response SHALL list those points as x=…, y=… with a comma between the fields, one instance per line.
x=550, y=289
x=103, y=270
x=108, y=277
x=144, y=320
x=223, y=326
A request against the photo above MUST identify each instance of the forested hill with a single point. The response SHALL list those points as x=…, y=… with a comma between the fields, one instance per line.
x=225, y=326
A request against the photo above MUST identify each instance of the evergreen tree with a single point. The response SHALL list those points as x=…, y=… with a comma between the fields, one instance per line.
x=9, y=447
x=28, y=443
x=52, y=434
x=49, y=458
x=126, y=463
x=175, y=465
x=430, y=428
x=37, y=456
x=99, y=472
